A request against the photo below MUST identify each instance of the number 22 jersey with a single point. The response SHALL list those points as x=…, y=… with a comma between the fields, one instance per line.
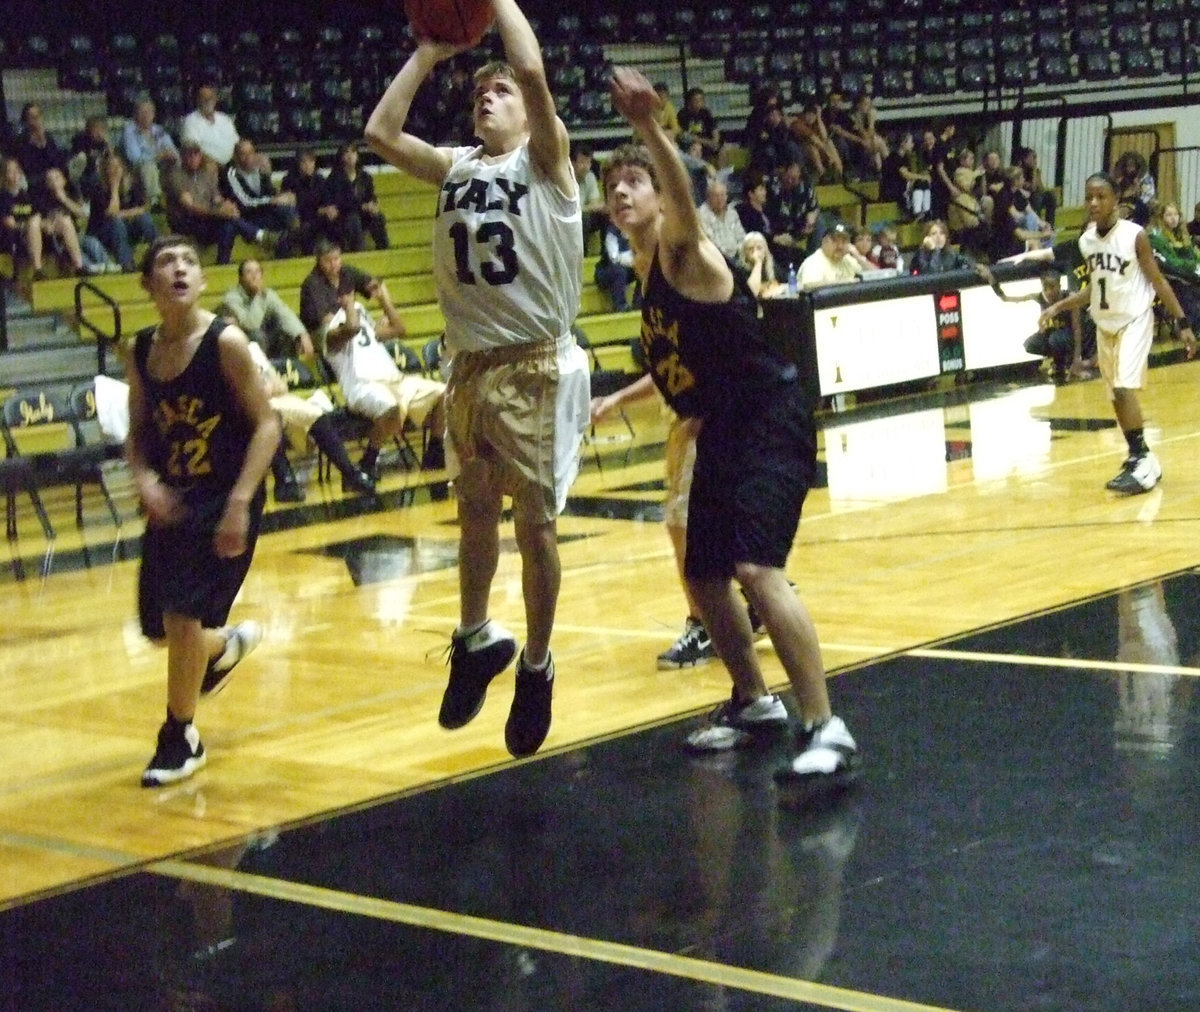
x=507, y=252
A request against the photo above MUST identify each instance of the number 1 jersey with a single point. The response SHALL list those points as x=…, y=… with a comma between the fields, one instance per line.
x=507, y=252
x=1120, y=290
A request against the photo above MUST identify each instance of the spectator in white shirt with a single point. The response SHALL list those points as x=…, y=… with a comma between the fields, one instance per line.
x=212, y=130
x=832, y=263
x=720, y=221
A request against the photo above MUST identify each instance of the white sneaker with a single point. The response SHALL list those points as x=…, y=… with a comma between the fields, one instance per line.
x=1137, y=475
x=240, y=641
x=734, y=724
x=831, y=749
x=1147, y=471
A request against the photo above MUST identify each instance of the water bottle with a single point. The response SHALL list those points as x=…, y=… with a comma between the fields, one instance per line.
x=793, y=282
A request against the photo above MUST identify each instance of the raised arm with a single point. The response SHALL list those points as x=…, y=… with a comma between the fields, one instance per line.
x=549, y=144
x=385, y=133
x=637, y=101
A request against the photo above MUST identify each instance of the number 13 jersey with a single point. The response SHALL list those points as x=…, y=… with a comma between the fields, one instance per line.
x=1120, y=290
x=507, y=252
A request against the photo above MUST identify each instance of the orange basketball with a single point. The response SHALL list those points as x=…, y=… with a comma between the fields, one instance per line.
x=460, y=22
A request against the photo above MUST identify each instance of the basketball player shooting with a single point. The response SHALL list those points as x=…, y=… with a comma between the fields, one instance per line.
x=508, y=261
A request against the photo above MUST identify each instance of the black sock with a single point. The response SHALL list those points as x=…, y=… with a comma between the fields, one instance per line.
x=370, y=455
x=281, y=469
x=1137, y=443
x=435, y=455
x=324, y=434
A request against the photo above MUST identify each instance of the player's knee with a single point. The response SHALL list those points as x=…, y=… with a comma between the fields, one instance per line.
x=751, y=576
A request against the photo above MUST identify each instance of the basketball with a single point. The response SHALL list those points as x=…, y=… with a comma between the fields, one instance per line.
x=459, y=22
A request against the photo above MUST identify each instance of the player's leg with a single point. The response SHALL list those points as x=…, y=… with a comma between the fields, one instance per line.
x=694, y=646
x=1128, y=355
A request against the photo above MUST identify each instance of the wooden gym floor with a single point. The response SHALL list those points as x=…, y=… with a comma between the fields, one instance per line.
x=1014, y=648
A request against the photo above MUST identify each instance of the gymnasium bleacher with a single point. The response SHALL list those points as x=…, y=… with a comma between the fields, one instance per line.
x=313, y=84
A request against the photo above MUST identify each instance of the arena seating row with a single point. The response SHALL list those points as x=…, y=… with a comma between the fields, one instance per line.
x=295, y=86
x=406, y=269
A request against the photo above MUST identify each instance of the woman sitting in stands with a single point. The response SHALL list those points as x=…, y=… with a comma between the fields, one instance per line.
x=119, y=212
x=754, y=257
x=934, y=256
x=1173, y=247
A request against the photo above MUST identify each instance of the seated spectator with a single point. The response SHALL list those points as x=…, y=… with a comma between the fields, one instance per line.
x=969, y=219
x=754, y=257
x=1173, y=246
x=614, y=271
x=332, y=314
x=934, y=255
x=267, y=320
x=901, y=182
x=591, y=200
x=1015, y=226
x=886, y=250
x=24, y=228
x=667, y=116
x=305, y=418
x=57, y=205
x=375, y=387
x=248, y=183
x=728, y=173
x=993, y=174
x=351, y=192
x=793, y=210
x=1136, y=189
x=767, y=137
x=874, y=147
x=699, y=170
x=196, y=208
x=861, y=244
x=720, y=221
x=120, y=214
x=1041, y=198
x=832, y=263
x=817, y=149
x=36, y=150
x=1062, y=340
x=1193, y=226
x=751, y=209
x=148, y=149
x=87, y=148
x=211, y=129
x=697, y=120
x=308, y=187
x=851, y=148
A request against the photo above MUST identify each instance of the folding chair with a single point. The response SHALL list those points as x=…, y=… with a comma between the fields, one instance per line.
x=41, y=428
x=603, y=383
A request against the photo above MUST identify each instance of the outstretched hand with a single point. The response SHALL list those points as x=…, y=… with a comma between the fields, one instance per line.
x=439, y=52
x=1189, y=341
x=633, y=95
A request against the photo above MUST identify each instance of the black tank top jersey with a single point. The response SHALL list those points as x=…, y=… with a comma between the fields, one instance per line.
x=198, y=435
x=708, y=357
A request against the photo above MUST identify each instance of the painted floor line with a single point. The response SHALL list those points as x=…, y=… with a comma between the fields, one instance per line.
x=542, y=939
x=1024, y=660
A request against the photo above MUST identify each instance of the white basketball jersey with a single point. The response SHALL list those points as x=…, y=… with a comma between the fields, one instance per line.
x=1120, y=290
x=362, y=358
x=507, y=252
